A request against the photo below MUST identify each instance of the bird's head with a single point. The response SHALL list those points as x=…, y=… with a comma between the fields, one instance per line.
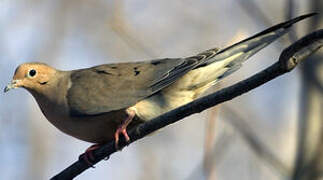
x=31, y=76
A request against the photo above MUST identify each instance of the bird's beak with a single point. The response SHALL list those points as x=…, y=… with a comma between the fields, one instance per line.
x=12, y=85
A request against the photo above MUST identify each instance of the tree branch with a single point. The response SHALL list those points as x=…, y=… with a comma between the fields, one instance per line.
x=288, y=60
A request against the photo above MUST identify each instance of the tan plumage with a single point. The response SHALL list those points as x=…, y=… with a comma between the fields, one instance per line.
x=90, y=104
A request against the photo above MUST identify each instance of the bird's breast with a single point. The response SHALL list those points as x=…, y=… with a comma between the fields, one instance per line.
x=91, y=128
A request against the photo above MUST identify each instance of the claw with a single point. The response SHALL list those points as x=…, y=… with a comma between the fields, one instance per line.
x=88, y=156
x=121, y=130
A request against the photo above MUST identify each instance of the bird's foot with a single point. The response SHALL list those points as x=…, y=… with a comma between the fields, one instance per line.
x=123, y=127
x=121, y=130
x=88, y=156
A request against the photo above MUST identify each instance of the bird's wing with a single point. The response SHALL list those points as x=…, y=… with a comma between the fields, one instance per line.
x=112, y=87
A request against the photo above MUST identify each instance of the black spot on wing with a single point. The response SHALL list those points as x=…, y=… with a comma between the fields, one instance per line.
x=137, y=72
x=156, y=62
x=102, y=72
x=75, y=76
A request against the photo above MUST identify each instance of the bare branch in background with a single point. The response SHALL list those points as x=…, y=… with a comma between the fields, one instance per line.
x=254, y=12
x=291, y=6
x=309, y=156
x=119, y=26
x=208, y=161
x=288, y=60
x=310, y=132
x=220, y=148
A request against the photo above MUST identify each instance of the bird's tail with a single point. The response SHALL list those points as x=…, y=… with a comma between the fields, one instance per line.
x=232, y=57
x=200, y=72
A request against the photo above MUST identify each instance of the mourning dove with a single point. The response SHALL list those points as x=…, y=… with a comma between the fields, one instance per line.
x=97, y=104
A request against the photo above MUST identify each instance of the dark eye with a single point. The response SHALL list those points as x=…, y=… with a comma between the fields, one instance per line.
x=32, y=72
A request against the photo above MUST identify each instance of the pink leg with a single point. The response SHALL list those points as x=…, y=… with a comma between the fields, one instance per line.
x=123, y=127
x=88, y=154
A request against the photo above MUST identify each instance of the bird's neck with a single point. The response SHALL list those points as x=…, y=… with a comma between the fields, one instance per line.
x=51, y=100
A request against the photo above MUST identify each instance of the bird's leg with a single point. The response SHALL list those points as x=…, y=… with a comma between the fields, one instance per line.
x=123, y=127
x=88, y=154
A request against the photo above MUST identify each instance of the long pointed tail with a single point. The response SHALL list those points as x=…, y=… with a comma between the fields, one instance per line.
x=236, y=54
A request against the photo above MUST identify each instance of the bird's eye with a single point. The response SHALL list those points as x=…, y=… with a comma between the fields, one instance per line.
x=32, y=72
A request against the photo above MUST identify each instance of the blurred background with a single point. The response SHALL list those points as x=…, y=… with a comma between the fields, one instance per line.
x=272, y=132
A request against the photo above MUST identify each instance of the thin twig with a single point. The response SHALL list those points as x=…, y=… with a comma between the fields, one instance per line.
x=288, y=60
x=208, y=162
x=291, y=6
x=255, y=13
